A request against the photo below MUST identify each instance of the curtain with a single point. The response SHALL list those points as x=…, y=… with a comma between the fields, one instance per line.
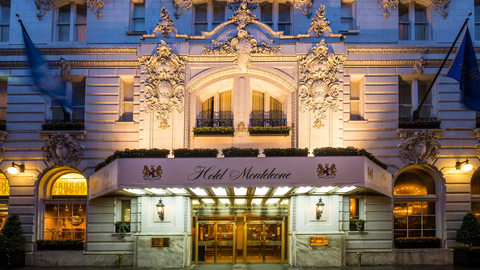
x=207, y=109
x=257, y=105
x=225, y=105
x=275, y=109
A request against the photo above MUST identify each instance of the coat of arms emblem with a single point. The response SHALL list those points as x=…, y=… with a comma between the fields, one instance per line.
x=152, y=173
x=327, y=172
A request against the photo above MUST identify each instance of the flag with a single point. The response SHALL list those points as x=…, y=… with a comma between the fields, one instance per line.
x=41, y=73
x=464, y=69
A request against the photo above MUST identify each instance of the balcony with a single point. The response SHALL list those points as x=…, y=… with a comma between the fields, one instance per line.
x=268, y=123
x=218, y=124
x=60, y=124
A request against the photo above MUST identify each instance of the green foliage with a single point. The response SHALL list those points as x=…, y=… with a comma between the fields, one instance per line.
x=68, y=242
x=197, y=152
x=270, y=129
x=122, y=228
x=63, y=126
x=285, y=152
x=240, y=152
x=347, y=151
x=213, y=130
x=419, y=124
x=358, y=223
x=11, y=235
x=413, y=240
x=469, y=231
x=134, y=153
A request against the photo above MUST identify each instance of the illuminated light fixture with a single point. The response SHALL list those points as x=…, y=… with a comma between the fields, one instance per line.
x=160, y=210
x=319, y=206
x=239, y=201
x=464, y=166
x=157, y=191
x=281, y=191
x=66, y=208
x=257, y=201
x=177, y=190
x=134, y=191
x=13, y=169
x=219, y=191
x=303, y=190
x=199, y=191
x=324, y=189
x=196, y=202
x=261, y=191
x=80, y=209
x=225, y=201
x=208, y=201
x=272, y=201
x=241, y=191
x=285, y=201
x=345, y=189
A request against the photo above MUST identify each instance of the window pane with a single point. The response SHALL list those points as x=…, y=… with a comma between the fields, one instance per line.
x=398, y=234
x=126, y=211
x=78, y=93
x=225, y=104
x=5, y=33
x=420, y=13
x=404, y=111
x=64, y=14
x=429, y=233
x=428, y=208
x=346, y=10
x=477, y=10
x=404, y=93
x=400, y=222
x=404, y=32
x=218, y=12
x=81, y=13
x=81, y=32
x=207, y=109
x=429, y=222
x=420, y=31
x=78, y=113
x=285, y=28
x=139, y=25
x=476, y=209
x=258, y=103
x=422, y=91
x=476, y=184
x=414, y=208
x=415, y=233
x=57, y=113
x=200, y=27
x=266, y=13
x=139, y=10
x=5, y=16
x=63, y=33
x=283, y=13
x=403, y=15
x=201, y=13
x=414, y=222
x=354, y=208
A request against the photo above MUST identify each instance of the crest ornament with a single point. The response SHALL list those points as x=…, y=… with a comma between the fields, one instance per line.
x=181, y=6
x=164, y=83
x=43, y=6
x=419, y=148
x=370, y=173
x=419, y=65
x=303, y=6
x=327, y=171
x=61, y=149
x=65, y=66
x=152, y=173
x=165, y=24
x=319, y=23
x=235, y=4
x=95, y=6
x=440, y=6
x=389, y=5
x=319, y=82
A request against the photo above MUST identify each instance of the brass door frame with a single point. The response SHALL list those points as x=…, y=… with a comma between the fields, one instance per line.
x=263, y=240
x=216, y=241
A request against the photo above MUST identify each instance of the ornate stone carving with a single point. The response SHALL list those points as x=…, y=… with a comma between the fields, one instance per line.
x=389, y=5
x=419, y=148
x=181, y=6
x=440, y=6
x=235, y=4
x=303, y=6
x=243, y=16
x=319, y=23
x=241, y=126
x=419, y=65
x=43, y=6
x=319, y=82
x=164, y=83
x=95, y=6
x=165, y=24
x=64, y=67
x=61, y=149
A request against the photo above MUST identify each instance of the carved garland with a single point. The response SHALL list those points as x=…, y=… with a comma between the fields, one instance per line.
x=389, y=5
x=320, y=24
x=319, y=82
x=303, y=6
x=164, y=83
x=419, y=148
x=165, y=25
x=181, y=6
x=419, y=65
x=440, y=6
x=61, y=149
x=95, y=6
x=64, y=67
x=43, y=6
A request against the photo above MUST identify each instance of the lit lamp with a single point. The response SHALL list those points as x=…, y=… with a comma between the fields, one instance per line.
x=464, y=166
x=320, y=206
x=160, y=210
x=13, y=169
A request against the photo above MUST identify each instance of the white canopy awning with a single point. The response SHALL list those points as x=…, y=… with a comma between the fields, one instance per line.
x=141, y=173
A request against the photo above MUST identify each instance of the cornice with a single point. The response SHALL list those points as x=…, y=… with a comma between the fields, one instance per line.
x=391, y=62
x=74, y=51
x=401, y=50
x=79, y=63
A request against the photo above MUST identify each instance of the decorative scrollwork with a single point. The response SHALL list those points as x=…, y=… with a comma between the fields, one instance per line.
x=243, y=16
x=235, y=4
x=181, y=6
x=95, y=6
x=165, y=25
x=319, y=23
x=389, y=5
x=303, y=6
x=319, y=82
x=419, y=148
x=64, y=67
x=164, y=83
x=61, y=149
x=43, y=6
x=419, y=65
x=440, y=6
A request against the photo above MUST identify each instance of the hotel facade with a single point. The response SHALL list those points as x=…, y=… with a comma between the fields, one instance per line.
x=200, y=74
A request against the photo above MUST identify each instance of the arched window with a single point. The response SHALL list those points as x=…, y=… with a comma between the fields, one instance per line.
x=217, y=110
x=266, y=110
x=4, y=193
x=414, y=204
x=65, y=212
x=476, y=195
x=412, y=21
x=72, y=23
x=281, y=20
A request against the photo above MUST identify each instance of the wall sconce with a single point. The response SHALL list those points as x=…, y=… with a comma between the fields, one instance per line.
x=320, y=206
x=160, y=210
x=464, y=166
x=13, y=169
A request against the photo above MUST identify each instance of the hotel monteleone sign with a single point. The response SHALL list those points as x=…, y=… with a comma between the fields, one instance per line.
x=239, y=172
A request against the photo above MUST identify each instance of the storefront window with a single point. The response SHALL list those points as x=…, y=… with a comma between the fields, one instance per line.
x=65, y=221
x=354, y=208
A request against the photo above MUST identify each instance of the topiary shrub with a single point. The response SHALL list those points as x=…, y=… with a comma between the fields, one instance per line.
x=11, y=235
x=469, y=232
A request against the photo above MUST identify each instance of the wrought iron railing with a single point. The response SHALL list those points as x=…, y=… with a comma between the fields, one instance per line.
x=267, y=119
x=422, y=122
x=214, y=123
x=60, y=124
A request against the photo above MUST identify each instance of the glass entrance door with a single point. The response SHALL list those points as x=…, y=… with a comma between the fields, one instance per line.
x=215, y=242
x=264, y=242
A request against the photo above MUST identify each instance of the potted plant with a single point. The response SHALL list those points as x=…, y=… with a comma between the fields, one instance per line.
x=240, y=152
x=418, y=242
x=347, y=151
x=198, y=131
x=357, y=225
x=469, y=235
x=12, y=242
x=70, y=244
x=285, y=152
x=281, y=130
x=196, y=152
x=122, y=227
x=134, y=153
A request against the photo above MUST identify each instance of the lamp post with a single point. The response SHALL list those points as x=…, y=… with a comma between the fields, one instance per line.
x=320, y=205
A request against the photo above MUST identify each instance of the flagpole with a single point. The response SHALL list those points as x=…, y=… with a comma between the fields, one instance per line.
x=417, y=111
x=21, y=24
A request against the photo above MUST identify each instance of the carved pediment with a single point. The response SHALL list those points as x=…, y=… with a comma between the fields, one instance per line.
x=61, y=149
x=45, y=5
x=165, y=25
x=419, y=148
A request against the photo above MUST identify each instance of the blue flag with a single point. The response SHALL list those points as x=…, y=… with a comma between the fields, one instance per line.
x=464, y=69
x=41, y=73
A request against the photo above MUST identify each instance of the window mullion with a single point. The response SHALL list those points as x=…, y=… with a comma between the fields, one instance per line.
x=275, y=15
x=73, y=10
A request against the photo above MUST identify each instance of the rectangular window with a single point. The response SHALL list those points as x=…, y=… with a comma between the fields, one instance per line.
x=138, y=18
x=3, y=98
x=266, y=14
x=65, y=221
x=218, y=14
x=414, y=219
x=477, y=19
x=258, y=105
x=64, y=23
x=225, y=105
x=426, y=110
x=420, y=22
x=346, y=17
x=4, y=20
x=207, y=109
x=81, y=23
x=404, y=100
x=78, y=100
x=403, y=22
x=284, y=19
x=201, y=23
x=126, y=210
x=355, y=113
x=354, y=208
x=126, y=111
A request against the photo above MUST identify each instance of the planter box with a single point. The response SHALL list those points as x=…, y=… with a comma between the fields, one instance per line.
x=270, y=133
x=466, y=257
x=289, y=155
x=60, y=247
x=213, y=133
x=127, y=230
x=417, y=245
x=195, y=156
x=241, y=155
x=335, y=154
x=353, y=227
x=17, y=258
